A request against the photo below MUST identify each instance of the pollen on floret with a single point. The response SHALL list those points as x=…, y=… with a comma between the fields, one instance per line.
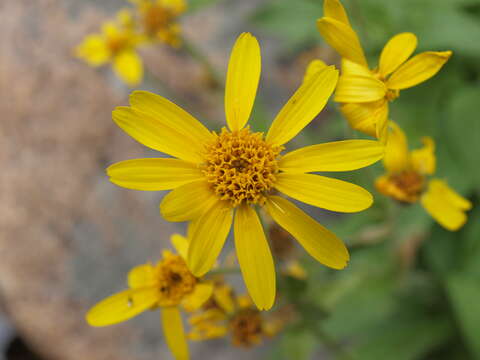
x=241, y=166
x=406, y=186
x=246, y=327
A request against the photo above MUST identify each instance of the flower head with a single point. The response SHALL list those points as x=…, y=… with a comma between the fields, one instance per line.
x=220, y=178
x=116, y=44
x=364, y=92
x=407, y=181
x=166, y=285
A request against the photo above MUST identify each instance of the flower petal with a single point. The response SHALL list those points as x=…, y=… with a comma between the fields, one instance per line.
x=242, y=80
x=303, y=106
x=208, y=236
x=152, y=132
x=359, y=89
x=171, y=115
x=93, y=50
x=254, y=257
x=423, y=160
x=122, y=306
x=187, y=202
x=313, y=67
x=324, y=192
x=153, y=174
x=335, y=10
x=343, y=155
x=174, y=334
x=180, y=243
x=129, y=67
x=198, y=297
x=395, y=52
x=418, y=69
x=366, y=117
x=319, y=242
x=141, y=276
x=396, y=157
x=342, y=38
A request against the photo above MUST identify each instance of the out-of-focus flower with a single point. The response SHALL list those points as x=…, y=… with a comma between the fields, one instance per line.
x=116, y=44
x=217, y=177
x=158, y=20
x=167, y=285
x=407, y=180
x=365, y=93
x=227, y=314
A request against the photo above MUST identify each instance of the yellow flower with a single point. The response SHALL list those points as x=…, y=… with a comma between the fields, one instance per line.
x=365, y=93
x=116, y=44
x=158, y=19
x=226, y=314
x=217, y=177
x=166, y=285
x=406, y=180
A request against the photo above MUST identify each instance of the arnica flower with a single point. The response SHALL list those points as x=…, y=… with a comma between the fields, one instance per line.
x=116, y=44
x=166, y=285
x=365, y=93
x=226, y=314
x=406, y=180
x=158, y=20
x=219, y=178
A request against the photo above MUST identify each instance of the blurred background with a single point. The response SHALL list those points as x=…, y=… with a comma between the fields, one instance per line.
x=68, y=237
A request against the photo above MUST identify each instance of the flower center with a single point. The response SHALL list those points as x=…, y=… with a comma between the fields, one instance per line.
x=118, y=43
x=241, y=166
x=174, y=279
x=246, y=327
x=392, y=94
x=156, y=18
x=405, y=187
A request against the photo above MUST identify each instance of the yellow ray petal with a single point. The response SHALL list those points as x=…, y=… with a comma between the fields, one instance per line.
x=200, y=295
x=334, y=9
x=418, y=69
x=396, y=157
x=303, y=106
x=129, y=67
x=223, y=295
x=450, y=195
x=93, y=50
x=242, y=81
x=180, y=243
x=364, y=117
x=208, y=236
x=397, y=50
x=313, y=67
x=254, y=257
x=327, y=193
x=423, y=160
x=352, y=68
x=153, y=174
x=187, y=202
x=122, y=306
x=174, y=334
x=171, y=115
x=343, y=155
x=319, y=242
x=152, y=132
x=342, y=38
x=141, y=276
x=359, y=89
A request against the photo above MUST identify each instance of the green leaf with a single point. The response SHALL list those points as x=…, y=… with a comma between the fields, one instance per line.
x=295, y=343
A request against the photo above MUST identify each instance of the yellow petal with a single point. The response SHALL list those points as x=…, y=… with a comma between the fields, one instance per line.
x=199, y=296
x=312, y=68
x=93, y=50
x=324, y=192
x=172, y=116
x=397, y=50
x=334, y=9
x=342, y=38
x=129, y=67
x=319, y=242
x=254, y=257
x=142, y=276
x=423, y=160
x=445, y=205
x=366, y=117
x=223, y=295
x=242, y=80
x=352, y=68
x=180, y=243
x=187, y=202
x=122, y=306
x=359, y=89
x=303, y=106
x=396, y=157
x=418, y=69
x=153, y=174
x=343, y=155
x=208, y=236
x=174, y=334
x=151, y=131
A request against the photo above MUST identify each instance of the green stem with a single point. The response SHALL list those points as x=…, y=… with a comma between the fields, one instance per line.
x=224, y=271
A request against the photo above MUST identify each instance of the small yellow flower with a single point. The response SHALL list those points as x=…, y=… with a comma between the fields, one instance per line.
x=365, y=93
x=166, y=285
x=158, y=19
x=406, y=180
x=219, y=177
x=116, y=44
